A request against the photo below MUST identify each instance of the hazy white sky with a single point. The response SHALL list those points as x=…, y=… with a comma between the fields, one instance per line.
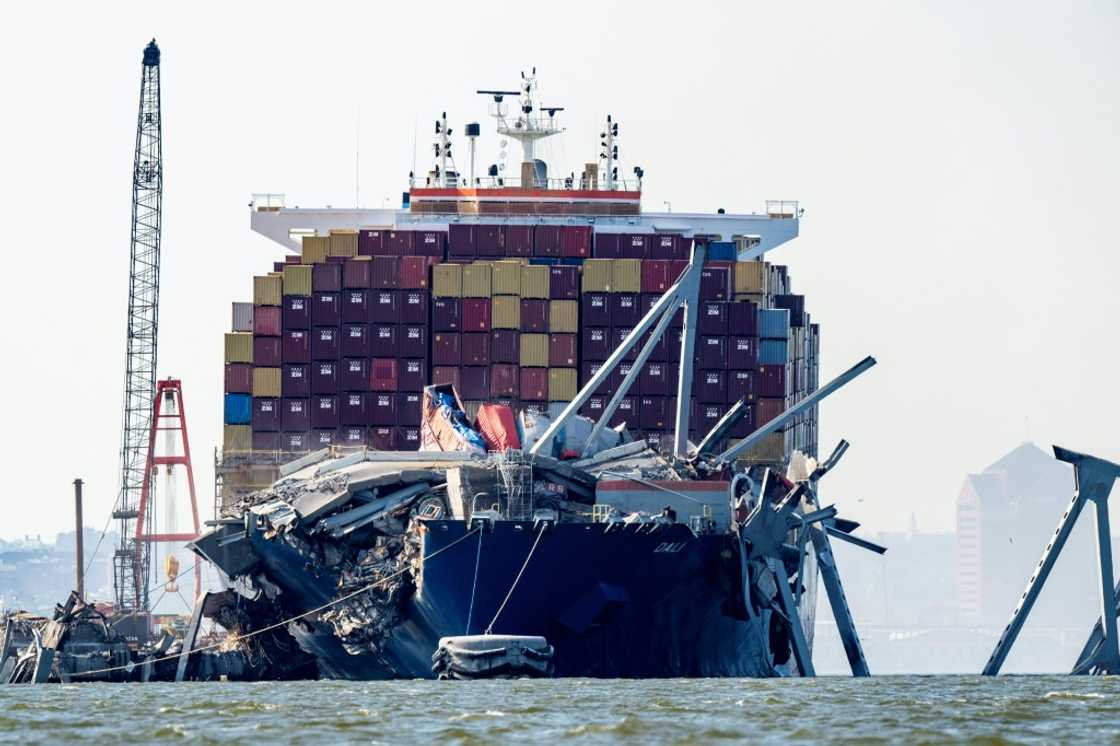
x=957, y=165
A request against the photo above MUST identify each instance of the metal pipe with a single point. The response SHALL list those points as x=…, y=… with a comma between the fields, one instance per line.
x=809, y=401
x=609, y=365
x=79, y=548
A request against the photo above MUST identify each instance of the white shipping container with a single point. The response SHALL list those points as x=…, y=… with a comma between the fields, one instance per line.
x=242, y=317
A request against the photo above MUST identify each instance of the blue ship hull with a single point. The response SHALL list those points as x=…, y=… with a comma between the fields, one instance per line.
x=620, y=602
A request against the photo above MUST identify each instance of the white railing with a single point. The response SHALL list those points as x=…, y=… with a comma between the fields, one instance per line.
x=783, y=208
x=267, y=202
x=565, y=184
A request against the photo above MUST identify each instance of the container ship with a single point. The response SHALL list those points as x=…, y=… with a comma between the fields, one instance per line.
x=491, y=302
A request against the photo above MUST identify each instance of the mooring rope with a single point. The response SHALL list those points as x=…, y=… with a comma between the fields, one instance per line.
x=490, y=627
x=277, y=625
x=474, y=584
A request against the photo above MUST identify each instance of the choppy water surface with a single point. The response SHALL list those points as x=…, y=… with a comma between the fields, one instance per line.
x=1028, y=709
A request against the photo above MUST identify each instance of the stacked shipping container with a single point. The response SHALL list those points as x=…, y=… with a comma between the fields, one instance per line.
x=338, y=344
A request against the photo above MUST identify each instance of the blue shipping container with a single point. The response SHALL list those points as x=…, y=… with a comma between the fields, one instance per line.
x=773, y=352
x=723, y=251
x=773, y=323
x=239, y=409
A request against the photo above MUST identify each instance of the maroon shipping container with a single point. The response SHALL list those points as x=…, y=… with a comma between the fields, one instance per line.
x=626, y=309
x=324, y=377
x=296, y=346
x=324, y=438
x=383, y=374
x=414, y=307
x=266, y=414
x=677, y=268
x=519, y=240
x=626, y=412
x=239, y=378
x=767, y=409
x=476, y=314
x=445, y=375
x=356, y=273
x=384, y=307
x=430, y=244
x=474, y=382
x=355, y=306
x=336, y=260
x=534, y=384
x=267, y=352
x=489, y=239
x=710, y=385
x=594, y=309
x=295, y=380
x=595, y=405
x=412, y=374
x=746, y=425
x=712, y=352
x=476, y=348
x=354, y=374
x=266, y=321
x=385, y=272
x=674, y=337
x=653, y=413
x=562, y=350
x=633, y=245
x=407, y=439
x=770, y=380
x=415, y=271
x=409, y=406
x=795, y=304
x=412, y=340
x=447, y=348
x=447, y=315
x=382, y=409
x=575, y=241
x=461, y=242
x=742, y=318
x=353, y=437
x=504, y=378
x=505, y=346
x=534, y=315
x=707, y=415
x=563, y=281
x=296, y=312
x=371, y=242
x=325, y=343
x=266, y=441
x=618, y=374
x=660, y=352
x=355, y=409
x=398, y=243
x=278, y=266
x=324, y=411
x=546, y=241
x=664, y=246
x=326, y=278
x=606, y=245
x=655, y=276
x=712, y=318
x=295, y=415
x=715, y=281
x=383, y=340
x=742, y=353
x=383, y=438
x=740, y=385
x=618, y=335
x=295, y=442
x=654, y=380
x=587, y=370
x=597, y=342
x=325, y=309
x=355, y=340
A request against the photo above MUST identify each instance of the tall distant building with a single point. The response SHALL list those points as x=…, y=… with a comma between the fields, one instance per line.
x=1005, y=517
